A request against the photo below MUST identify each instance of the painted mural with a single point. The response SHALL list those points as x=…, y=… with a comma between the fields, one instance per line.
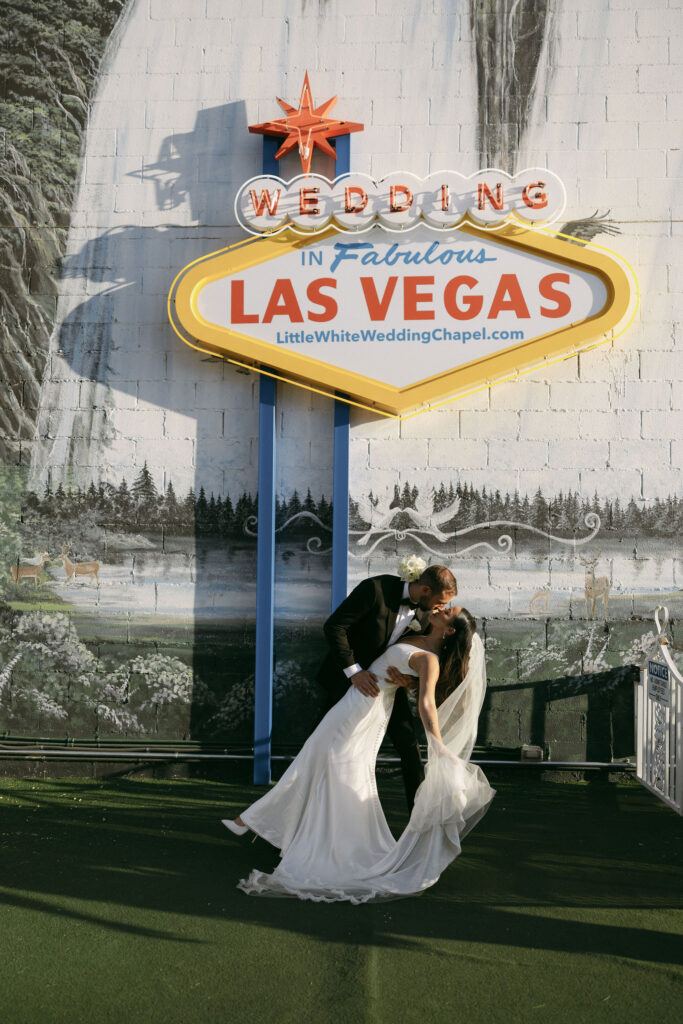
x=128, y=463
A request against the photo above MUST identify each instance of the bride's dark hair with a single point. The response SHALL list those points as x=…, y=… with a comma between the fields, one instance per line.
x=455, y=655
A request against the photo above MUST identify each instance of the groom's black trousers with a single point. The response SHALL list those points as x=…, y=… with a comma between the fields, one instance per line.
x=400, y=730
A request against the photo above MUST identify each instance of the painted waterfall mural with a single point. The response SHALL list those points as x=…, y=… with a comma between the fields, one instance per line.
x=128, y=480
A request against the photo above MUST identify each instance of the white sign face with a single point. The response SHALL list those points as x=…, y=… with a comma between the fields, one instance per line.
x=402, y=310
x=658, y=683
x=400, y=202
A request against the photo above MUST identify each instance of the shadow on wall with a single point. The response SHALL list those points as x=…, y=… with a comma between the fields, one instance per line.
x=122, y=356
x=587, y=717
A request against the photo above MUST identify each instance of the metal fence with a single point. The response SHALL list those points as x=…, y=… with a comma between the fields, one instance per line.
x=659, y=718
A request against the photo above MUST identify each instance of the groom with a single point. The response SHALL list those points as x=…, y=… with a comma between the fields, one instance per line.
x=374, y=615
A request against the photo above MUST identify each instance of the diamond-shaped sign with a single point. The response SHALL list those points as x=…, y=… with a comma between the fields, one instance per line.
x=400, y=324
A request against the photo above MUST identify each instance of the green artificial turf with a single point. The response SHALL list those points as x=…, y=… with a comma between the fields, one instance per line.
x=119, y=905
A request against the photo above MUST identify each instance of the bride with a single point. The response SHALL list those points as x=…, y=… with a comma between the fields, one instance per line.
x=324, y=814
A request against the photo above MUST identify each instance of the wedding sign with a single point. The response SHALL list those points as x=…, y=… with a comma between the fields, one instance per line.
x=399, y=323
x=401, y=293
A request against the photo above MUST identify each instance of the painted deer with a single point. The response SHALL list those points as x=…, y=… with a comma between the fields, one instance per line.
x=73, y=569
x=32, y=570
x=595, y=588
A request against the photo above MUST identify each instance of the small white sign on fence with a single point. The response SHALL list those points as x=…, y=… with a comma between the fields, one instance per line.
x=658, y=683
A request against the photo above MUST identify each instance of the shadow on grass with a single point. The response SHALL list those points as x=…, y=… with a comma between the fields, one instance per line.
x=134, y=847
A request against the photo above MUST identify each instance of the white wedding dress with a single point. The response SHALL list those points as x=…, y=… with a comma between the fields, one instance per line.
x=324, y=814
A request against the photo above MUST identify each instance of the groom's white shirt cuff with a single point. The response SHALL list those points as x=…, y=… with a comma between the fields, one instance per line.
x=405, y=615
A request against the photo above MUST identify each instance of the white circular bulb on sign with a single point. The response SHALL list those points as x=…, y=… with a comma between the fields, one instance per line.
x=399, y=198
x=490, y=197
x=261, y=205
x=538, y=195
x=447, y=197
x=355, y=202
x=310, y=203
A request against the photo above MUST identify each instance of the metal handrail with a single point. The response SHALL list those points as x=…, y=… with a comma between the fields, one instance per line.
x=47, y=753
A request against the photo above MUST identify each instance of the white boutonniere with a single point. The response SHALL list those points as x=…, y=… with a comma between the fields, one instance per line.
x=415, y=626
x=411, y=568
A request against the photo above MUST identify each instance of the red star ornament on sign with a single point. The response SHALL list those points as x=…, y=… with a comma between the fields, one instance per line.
x=306, y=127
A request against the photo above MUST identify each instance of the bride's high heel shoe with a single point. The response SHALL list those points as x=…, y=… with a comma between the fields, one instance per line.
x=239, y=830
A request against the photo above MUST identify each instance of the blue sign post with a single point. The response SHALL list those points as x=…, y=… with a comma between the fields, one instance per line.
x=265, y=557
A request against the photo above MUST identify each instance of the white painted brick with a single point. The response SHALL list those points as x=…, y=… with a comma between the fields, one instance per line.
x=169, y=456
x=636, y=107
x=132, y=424
x=363, y=480
x=607, y=80
x=107, y=114
x=612, y=363
x=409, y=454
x=602, y=193
x=366, y=426
x=560, y=480
x=626, y=163
x=522, y=394
x=579, y=395
x=645, y=395
x=220, y=10
x=420, y=31
x=658, y=483
x=677, y=454
x=661, y=23
x=575, y=53
x=659, y=78
x=453, y=454
x=636, y=52
x=674, y=108
x=178, y=114
x=382, y=28
x=173, y=60
x=626, y=5
x=572, y=453
x=549, y=425
x=447, y=52
x=442, y=424
x=507, y=481
x=605, y=136
x=638, y=454
x=609, y=483
x=661, y=366
x=591, y=26
x=662, y=424
x=526, y=454
x=597, y=424
x=487, y=425
x=101, y=142
x=564, y=82
x=178, y=395
x=202, y=425
x=566, y=24
x=359, y=452
x=580, y=163
x=390, y=55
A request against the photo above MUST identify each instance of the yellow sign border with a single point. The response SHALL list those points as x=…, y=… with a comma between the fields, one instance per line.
x=398, y=403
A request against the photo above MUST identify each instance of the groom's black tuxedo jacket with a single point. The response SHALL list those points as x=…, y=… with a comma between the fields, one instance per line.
x=359, y=629
x=358, y=632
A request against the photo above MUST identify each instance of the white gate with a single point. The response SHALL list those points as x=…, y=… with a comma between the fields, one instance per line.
x=659, y=719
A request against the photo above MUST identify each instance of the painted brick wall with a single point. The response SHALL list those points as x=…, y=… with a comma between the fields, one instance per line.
x=165, y=152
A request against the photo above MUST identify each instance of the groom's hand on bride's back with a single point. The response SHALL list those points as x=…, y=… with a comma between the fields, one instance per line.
x=366, y=683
